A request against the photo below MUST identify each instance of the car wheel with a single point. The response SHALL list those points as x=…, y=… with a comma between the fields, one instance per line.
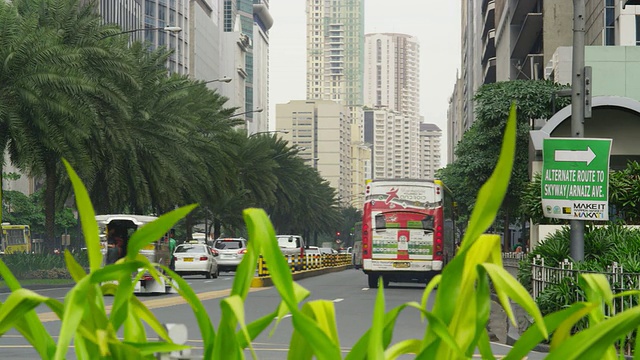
x=208, y=274
x=216, y=274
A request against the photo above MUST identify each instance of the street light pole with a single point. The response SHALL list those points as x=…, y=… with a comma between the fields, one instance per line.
x=270, y=132
x=196, y=83
x=248, y=112
x=577, y=111
x=172, y=29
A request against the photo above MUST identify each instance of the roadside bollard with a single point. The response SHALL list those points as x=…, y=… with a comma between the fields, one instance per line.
x=178, y=334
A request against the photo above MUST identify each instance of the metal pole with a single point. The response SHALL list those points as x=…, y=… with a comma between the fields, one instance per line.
x=577, y=110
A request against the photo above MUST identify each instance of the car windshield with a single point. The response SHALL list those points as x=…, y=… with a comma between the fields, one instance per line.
x=191, y=249
x=228, y=244
x=288, y=242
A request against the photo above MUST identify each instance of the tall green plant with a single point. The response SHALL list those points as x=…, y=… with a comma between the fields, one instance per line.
x=456, y=324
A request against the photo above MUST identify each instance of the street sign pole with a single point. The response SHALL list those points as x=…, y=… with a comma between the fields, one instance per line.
x=577, y=111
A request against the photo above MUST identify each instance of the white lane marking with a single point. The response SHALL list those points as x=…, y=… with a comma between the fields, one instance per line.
x=337, y=300
x=365, y=289
x=208, y=281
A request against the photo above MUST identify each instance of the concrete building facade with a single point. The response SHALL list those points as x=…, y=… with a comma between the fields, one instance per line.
x=323, y=129
x=430, y=139
x=393, y=152
x=455, y=122
x=204, y=34
x=246, y=26
x=392, y=91
x=360, y=167
x=392, y=73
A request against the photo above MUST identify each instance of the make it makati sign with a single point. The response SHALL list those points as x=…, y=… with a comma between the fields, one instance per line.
x=575, y=178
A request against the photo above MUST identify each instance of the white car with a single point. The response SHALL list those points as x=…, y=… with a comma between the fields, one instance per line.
x=196, y=259
x=231, y=251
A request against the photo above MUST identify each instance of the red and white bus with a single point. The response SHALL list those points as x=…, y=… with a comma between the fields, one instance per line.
x=408, y=230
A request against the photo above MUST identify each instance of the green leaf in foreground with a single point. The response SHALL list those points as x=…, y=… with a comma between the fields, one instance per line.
x=87, y=219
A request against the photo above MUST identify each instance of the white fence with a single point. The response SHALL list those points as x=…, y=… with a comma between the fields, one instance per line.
x=542, y=276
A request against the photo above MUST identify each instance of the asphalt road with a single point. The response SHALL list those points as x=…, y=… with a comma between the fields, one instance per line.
x=347, y=289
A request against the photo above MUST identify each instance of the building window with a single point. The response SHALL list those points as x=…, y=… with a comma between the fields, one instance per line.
x=609, y=22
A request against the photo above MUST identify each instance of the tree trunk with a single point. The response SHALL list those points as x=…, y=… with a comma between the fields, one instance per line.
x=217, y=225
x=507, y=233
x=50, y=207
x=188, y=223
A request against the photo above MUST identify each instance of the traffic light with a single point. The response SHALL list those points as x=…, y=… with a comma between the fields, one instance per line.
x=337, y=233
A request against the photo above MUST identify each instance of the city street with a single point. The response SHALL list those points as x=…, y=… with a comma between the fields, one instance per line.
x=347, y=289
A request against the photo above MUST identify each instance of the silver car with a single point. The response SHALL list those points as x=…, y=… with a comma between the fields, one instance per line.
x=231, y=251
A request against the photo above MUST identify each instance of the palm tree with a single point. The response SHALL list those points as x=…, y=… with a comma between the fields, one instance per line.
x=99, y=70
x=44, y=111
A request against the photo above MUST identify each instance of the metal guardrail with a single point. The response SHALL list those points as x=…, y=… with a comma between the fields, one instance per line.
x=543, y=276
x=299, y=263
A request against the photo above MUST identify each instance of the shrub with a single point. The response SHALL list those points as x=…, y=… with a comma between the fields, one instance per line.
x=22, y=264
x=55, y=273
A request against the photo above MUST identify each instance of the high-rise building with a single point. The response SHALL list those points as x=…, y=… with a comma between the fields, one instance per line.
x=392, y=92
x=455, y=127
x=335, y=52
x=322, y=131
x=245, y=25
x=430, y=137
x=126, y=13
x=335, y=61
x=204, y=36
x=392, y=73
x=360, y=167
x=392, y=135
x=159, y=14
x=506, y=40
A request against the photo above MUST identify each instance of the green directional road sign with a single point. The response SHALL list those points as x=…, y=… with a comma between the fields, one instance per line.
x=575, y=178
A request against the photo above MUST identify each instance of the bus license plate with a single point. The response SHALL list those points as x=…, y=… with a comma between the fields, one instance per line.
x=402, y=265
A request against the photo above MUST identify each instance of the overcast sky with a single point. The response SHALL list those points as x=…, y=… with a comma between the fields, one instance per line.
x=436, y=24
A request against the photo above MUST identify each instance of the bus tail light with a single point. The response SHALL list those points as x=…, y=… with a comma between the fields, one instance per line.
x=437, y=243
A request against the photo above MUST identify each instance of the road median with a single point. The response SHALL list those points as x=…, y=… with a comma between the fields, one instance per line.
x=265, y=281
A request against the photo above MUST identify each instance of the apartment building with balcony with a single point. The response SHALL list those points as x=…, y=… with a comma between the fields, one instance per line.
x=392, y=72
x=505, y=40
x=392, y=96
x=392, y=134
x=335, y=52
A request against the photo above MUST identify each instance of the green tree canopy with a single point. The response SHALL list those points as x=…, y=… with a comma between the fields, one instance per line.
x=477, y=152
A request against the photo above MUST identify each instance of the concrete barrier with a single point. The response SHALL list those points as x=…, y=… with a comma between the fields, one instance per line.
x=265, y=281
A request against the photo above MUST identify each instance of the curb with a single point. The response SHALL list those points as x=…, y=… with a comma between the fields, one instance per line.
x=513, y=333
x=266, y=281
x=34, y=287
